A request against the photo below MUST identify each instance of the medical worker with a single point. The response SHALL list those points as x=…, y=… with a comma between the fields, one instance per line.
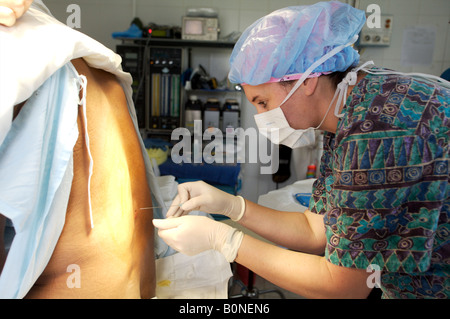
x=379, y=209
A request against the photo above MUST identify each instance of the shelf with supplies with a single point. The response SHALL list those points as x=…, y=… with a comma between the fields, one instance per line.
x=167, y=42
x=158, y=67
x=215, y=108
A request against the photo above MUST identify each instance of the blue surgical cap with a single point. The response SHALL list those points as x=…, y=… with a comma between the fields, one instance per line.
x=290, y=40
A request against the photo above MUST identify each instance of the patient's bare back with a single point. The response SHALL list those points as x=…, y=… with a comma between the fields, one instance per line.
x=115, y=258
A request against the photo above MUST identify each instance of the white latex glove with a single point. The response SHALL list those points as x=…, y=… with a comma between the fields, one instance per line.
x=206, y=198
x=192, y=235
x=11, y=10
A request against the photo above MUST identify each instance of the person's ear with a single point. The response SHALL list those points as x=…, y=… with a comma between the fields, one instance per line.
x=310, y=85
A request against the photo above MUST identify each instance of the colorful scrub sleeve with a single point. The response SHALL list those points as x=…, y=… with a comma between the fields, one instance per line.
x=384, y=185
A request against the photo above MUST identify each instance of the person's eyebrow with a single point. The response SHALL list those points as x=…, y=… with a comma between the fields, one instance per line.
x=255, y=98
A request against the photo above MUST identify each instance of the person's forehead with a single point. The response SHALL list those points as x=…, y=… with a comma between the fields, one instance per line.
x=265, y=90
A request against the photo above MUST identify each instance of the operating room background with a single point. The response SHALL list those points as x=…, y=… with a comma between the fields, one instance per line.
x=99, y=18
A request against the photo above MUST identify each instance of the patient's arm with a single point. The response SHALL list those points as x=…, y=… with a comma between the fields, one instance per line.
x=2, y=243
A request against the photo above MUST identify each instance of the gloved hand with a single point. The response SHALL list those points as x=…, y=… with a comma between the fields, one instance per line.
x=206, y=198
x=11, y=10
x=192, y=235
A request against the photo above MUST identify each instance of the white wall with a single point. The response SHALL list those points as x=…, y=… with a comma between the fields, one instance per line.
x=410, y=13
x=99, y=18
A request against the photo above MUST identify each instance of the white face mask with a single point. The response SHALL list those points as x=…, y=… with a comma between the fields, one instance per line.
x=274, y=125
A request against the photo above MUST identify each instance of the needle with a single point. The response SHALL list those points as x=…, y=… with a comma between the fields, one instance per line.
x=151, y=207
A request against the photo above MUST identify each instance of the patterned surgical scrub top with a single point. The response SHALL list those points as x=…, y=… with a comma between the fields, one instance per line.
x=384, y=185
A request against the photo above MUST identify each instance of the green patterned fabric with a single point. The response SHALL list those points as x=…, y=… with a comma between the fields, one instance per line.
x=384, y=185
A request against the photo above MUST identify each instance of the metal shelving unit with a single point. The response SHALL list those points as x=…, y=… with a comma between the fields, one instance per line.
x=143, y=74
